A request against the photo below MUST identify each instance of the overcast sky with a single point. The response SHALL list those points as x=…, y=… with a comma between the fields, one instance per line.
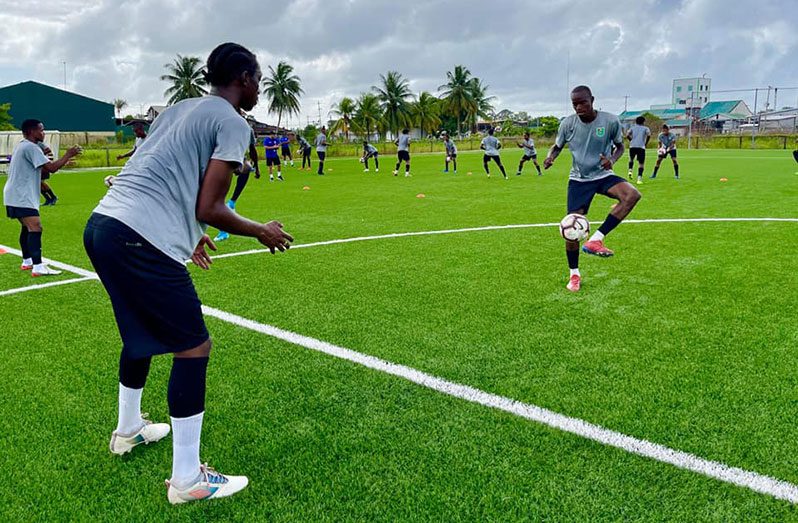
x=520, y=48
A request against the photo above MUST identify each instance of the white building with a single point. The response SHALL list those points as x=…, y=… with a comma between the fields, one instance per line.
x=691, y=92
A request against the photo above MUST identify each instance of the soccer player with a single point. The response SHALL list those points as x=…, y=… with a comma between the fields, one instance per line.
x=49, y=196
x=138, y=130
x=403, y=152
x=321, y=149
x=21, y=193
x=451, y=153
x=369, y=151
x=491, y=145
x=285, y=149
x=242, y=177
x=270, y=146
x=304, y=148
x=596, y=143
x=138, y=238
x=667, y=146
x=638, y=136
x=528, y=145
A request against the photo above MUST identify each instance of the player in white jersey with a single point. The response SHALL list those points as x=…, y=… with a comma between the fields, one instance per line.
x=528, y=145
x=491, y=145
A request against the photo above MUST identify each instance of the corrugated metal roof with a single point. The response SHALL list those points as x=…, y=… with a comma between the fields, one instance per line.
x=720, y=107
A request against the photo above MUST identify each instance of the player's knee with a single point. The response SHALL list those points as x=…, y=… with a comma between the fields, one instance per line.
x=633, y=197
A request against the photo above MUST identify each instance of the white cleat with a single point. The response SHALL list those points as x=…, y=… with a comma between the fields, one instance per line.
x=408, y=175
x=210, y=485
x=43, y=270
x=395, y=173
x=378, y=170
x=365, y=170
x=149, y=433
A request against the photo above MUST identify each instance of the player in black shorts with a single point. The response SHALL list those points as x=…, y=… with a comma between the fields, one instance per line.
x=638, y=136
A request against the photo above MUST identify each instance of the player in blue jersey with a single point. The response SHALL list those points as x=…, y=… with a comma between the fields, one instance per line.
x=270, y=146
x=285, y=149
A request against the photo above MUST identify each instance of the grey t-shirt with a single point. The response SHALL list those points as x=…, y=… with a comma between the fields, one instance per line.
x=451, y=148
x=321, y=141
x=587, y=142
x=638, y=134
x=404, y=142
x=24, y=176
x=529, y=147
x=491, y=144
x=370, y=149
x=156, y=192
x=667, y=140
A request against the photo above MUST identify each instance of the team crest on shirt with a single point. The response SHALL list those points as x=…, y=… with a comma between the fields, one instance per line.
x=600, y=132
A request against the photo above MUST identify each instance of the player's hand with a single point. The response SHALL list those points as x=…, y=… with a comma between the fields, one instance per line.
x=548, y=162
x=606, y=163
x=274, y=237
x=119, y=157
x=201, y=258
x=73, y=151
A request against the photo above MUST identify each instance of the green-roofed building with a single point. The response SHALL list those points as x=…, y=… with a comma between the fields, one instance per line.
x=57, y=109
x=734, y=108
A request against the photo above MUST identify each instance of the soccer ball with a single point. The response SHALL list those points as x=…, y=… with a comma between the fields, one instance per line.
x=362, y=160
x=448, y=158
x=575, y=227
x=661, y=151
x=109, y=180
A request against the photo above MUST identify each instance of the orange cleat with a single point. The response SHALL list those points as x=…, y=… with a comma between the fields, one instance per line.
x=596, y=248
x=574, y=283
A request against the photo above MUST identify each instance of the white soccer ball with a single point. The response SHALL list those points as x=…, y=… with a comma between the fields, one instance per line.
x=109, y=180
x=362, y=160
x=661, y=151
x=575, y=227
x=448, y=158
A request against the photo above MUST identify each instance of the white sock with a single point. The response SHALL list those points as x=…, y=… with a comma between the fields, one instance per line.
x=185, y=450
x=598, y=235
x=575, y=271
x=27, y=261
x=280, y=174
x=129, y=411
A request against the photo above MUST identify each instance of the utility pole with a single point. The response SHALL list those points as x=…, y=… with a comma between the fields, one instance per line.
x=318, y=104
x=64, y=63
x=753, y=126
x=625, y=101
x=690, y=127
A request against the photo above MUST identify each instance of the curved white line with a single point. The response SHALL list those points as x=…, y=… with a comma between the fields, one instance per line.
x=494, y=228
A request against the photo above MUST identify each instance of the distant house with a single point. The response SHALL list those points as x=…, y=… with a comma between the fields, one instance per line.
x=724, y=116
x=56, y=108
x=154, y=111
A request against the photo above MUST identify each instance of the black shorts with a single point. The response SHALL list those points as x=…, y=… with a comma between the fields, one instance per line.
x=672, y=153
x=638, y=153
x=286, y=151
x=527, y=158
x=580, y=194
x=20, y=212
x=452, y=155
x=486, y=158
x=272, y=161
x=156, y=307
x=403, y=155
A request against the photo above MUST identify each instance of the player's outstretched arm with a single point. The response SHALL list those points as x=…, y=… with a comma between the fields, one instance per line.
x=55, y=165
x=211, y=209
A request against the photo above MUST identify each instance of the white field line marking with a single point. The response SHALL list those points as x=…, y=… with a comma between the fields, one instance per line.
x=56, y=264
x=736, y=476
x=496, y=227
x=43, y=285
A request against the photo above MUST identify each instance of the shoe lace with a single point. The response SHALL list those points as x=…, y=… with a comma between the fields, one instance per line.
x=144, y=416
x=210, y=475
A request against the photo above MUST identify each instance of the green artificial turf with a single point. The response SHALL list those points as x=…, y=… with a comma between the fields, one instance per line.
x=685, y=338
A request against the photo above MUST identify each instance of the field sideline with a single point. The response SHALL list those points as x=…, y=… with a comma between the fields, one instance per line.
x=683, y=340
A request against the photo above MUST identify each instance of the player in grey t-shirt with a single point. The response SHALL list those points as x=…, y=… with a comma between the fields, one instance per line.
x=403, y=152
x=451, y=152
x=321, y=149
x=638, y=136
x=21, y=193
x=491, y=145
x=138, y=239
x=667, y=147
x=596, y=143
x=369, y=151
x=528, y=145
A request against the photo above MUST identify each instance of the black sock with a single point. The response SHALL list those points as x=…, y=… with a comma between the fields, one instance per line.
x=446, y=168
x=501, y=168
x=676, y=168
x=321, y=167
x=35, y=246
x=640, y=172
x=454, y=164
x=520, y=167
x=23, y=243
x=486, y=168
x=609, y=224
x=51, y=194
x=573, y=258
x=631, y=164
x=655, y=170
x=537, y=166
x=186, y=392
x=241, y=182
x=407, y=167
x=376, y=163
x=133, y=371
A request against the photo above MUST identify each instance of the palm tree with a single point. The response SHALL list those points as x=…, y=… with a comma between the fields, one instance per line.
x=282, y=88
x=482, y=102
x=368, y=115
x=426, y=112
x=185, y=73
x=119, y=104
x=394, y=96
x=344, y=111
x=457, y=94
